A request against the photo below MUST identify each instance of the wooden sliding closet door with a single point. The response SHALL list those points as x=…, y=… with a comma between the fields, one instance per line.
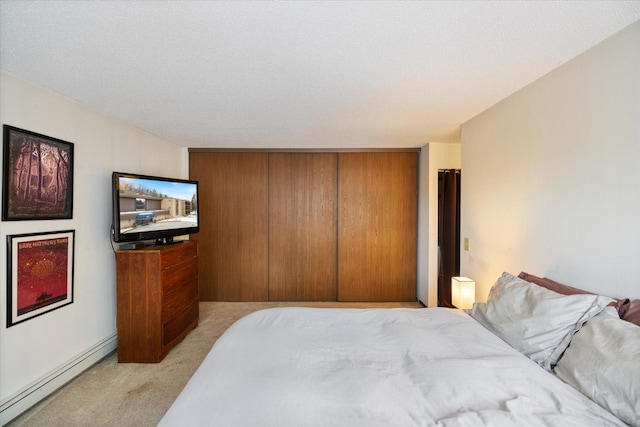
x=302, y=226
x=233, y=198
x=377, y=226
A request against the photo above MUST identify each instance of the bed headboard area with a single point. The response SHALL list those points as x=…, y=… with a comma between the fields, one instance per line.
x=628, y=310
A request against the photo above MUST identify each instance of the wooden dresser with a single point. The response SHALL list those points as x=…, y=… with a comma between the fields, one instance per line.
x=157, y=300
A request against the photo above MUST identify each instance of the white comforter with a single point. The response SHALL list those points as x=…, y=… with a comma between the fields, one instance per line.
x=382, y=367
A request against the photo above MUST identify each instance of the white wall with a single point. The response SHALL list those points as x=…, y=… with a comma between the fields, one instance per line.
x=433, y=156
x=551, y=180
x=35, y=349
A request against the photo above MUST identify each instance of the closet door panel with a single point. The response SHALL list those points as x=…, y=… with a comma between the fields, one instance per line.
x=377, y=226
x=233, y=197
x=302, y=226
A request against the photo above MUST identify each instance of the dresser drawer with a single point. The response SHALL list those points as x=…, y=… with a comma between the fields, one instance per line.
x=177, y=275
x=172, y=328
x=178, y=254
x=177, y=300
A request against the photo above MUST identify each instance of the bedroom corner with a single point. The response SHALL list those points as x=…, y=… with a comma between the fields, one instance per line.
x=42, y=353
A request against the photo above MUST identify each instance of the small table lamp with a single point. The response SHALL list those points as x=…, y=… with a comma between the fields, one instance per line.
x=463, y=292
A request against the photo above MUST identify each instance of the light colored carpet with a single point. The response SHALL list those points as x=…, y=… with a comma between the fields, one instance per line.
x=134, y=394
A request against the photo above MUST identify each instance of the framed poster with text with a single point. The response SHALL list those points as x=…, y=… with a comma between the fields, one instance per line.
x=39, y=274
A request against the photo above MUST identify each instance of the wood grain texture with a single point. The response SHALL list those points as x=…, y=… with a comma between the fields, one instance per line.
x=139, y=305
x=377, y=226
x=157, y=300
x=174, y=330
x=302, y=226
x=233, y=198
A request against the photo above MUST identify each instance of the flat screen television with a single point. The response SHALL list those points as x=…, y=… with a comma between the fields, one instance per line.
x=153, y=209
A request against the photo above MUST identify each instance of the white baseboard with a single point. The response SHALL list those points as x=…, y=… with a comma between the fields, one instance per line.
x=40, y=389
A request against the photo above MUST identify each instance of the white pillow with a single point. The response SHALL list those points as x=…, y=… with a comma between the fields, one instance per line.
x=534, y=320
x=603, y=362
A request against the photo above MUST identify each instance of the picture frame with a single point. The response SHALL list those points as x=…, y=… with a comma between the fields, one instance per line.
x=37, y=181
x=39, y=274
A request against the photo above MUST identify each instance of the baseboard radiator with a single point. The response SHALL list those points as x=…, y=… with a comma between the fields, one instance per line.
x=21, y=401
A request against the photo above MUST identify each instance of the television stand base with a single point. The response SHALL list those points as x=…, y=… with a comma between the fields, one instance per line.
x=164, y=241
x=132, y=246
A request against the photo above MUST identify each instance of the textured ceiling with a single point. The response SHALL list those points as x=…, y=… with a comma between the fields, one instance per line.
x=297, y=74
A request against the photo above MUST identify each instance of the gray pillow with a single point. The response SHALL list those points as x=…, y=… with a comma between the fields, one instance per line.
x=603, y=362
x=534, y=320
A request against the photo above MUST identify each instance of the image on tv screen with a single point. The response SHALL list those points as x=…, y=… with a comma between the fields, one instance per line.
x=155, y=205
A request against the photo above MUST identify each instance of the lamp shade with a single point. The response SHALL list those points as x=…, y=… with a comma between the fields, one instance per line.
x=463, y=292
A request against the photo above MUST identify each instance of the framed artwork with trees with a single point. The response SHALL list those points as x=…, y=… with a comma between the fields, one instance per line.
x=37, y=180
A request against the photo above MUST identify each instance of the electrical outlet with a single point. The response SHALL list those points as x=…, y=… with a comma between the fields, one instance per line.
x=467, y=244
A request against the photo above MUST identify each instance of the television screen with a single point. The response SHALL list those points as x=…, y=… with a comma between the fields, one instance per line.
x=153, y=208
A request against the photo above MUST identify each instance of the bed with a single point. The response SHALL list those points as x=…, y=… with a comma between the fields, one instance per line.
x=419, y=367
